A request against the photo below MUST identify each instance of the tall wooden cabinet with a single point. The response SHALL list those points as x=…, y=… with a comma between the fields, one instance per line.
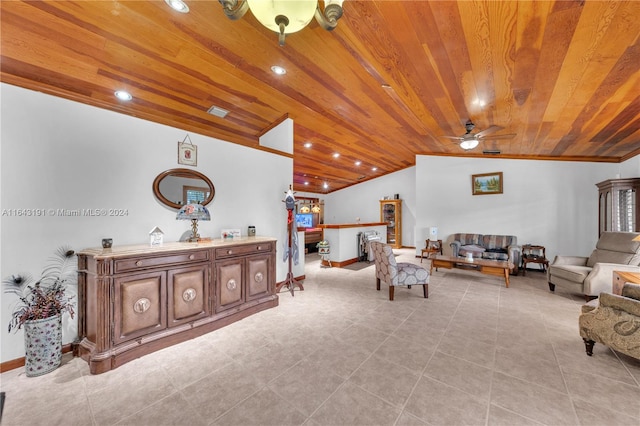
x=618, y=205
x=391, y=213
x=133, y=300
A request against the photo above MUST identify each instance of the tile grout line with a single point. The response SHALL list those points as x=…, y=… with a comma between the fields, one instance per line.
x=424, y=369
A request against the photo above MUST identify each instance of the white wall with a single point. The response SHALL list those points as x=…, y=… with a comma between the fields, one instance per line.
x=363, y=201
x=552, y=203
x=58, y=154
x=630, y=168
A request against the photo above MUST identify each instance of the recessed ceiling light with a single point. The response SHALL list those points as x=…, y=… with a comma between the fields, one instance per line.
x=358, y=162
x=306, y=183
x=325, y=185
x=278, y=70
x=308, y=144
x=336, y=155
x=178, y=5
x=374, y=169
x=123, y=95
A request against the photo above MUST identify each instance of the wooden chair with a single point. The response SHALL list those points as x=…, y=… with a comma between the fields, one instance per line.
x=397, y=274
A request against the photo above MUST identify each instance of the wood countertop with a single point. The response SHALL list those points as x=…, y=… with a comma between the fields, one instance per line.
x=351, y=225
x=128, y=250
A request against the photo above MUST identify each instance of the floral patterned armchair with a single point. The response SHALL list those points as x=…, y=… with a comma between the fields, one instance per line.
x=614, y=322
x=397, y=274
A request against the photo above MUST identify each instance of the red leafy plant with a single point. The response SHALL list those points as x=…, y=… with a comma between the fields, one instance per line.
x=48, y=296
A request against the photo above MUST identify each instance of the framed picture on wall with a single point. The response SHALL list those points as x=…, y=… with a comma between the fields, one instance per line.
x=187, y=152
x=486, y=183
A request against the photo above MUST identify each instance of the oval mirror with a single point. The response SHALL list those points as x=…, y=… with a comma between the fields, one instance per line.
x=177, y=187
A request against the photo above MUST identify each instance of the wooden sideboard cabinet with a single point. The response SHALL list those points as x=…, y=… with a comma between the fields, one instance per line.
x=133, y=300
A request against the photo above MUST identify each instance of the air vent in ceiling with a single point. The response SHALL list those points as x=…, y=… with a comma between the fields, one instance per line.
x=491, y=152
x=218, y=112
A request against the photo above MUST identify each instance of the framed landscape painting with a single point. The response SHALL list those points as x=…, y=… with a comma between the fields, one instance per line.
x=487, y=183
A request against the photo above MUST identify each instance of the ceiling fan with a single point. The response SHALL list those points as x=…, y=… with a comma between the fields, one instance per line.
x=471, y=140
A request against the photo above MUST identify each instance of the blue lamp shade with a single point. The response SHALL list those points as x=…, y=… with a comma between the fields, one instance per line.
x=193, y=212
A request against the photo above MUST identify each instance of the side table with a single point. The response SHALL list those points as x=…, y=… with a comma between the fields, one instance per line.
x=431, y=247
x=622, y=277
x=534, y=254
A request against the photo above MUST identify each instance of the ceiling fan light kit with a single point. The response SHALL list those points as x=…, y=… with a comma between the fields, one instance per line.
x=469, y=144
x=471, y=140
x=285, y=16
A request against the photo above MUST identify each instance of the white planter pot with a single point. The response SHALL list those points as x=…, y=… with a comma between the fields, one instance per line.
x=43, y=345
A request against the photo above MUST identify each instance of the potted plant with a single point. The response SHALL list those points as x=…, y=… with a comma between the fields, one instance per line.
x=39, y=309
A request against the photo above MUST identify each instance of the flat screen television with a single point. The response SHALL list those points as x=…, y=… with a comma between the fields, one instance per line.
x=304, y=220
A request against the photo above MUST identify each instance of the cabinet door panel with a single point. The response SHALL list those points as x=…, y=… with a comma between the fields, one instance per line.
x=188, y=294
x=140, y=305
x=257, y=276
x=229, y=284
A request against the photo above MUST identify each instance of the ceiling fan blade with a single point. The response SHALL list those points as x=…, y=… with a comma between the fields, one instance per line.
x=489, y=130
x=496, y=137
x=458, y=138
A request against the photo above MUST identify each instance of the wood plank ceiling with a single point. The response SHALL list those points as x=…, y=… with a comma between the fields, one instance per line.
x=388, y=83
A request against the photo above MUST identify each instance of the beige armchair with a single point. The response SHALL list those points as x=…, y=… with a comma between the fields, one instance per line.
x=594, y=274
x=397, y=274
x=615, y=322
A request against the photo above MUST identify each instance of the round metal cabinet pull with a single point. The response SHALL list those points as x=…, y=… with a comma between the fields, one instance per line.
x=189, y=294
x=229, y=251
x=258, y=277
x=139, y=263
x=231, y=284
x=259, y=247
x=191, y=257
x=141, y=305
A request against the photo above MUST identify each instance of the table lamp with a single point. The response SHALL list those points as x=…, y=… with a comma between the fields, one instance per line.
x=193, y=212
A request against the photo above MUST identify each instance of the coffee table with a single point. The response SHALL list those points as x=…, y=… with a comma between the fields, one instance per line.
x=499, y=268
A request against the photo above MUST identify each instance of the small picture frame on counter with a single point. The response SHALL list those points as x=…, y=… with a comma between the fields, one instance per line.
x=230, y=233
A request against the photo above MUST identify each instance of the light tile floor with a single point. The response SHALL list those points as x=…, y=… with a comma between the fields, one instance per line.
x=340, y=353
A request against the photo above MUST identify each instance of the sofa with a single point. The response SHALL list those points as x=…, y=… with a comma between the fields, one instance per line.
x=590, y=276
x=613, y=321
x=493, y=247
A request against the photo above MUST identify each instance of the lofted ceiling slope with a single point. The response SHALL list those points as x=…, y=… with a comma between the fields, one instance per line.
x=393, y=80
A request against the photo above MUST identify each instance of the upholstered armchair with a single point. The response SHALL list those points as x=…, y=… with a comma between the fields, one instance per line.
x=397, y=273
x=615, y=322
x=615, y=251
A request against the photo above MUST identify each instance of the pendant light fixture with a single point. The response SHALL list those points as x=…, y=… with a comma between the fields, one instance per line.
x=286, y=16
